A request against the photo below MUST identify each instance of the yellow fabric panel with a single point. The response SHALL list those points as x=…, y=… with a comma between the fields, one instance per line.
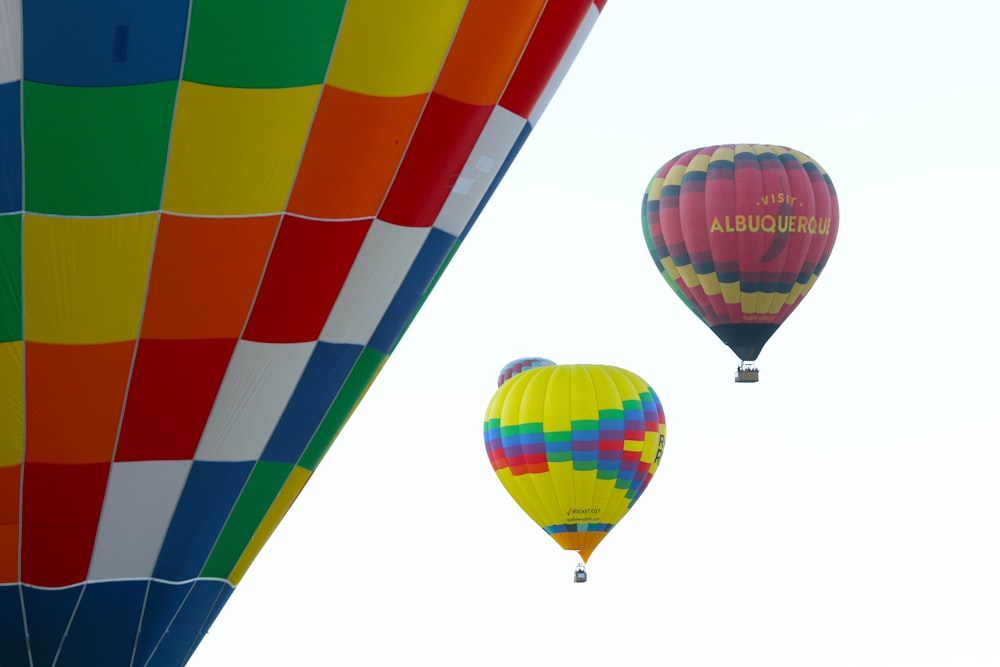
x=710, y=283
x=556, y=408
x=688, y=275
x=289, y=492
x=775, y=304
x=561, y=478
x=392, y=49
x=85, y=279
x=699, y=163
x=11, y=403
x=523, y=491
x=655, y=189
x=724, y=154
x=668, y=265
x=674, y=175
x=584, y=391
x=235, y=151
x=749, y=303
x=793, y=295
x=731, y=292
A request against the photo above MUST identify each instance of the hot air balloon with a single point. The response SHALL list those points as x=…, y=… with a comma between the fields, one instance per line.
x=575, y=446
x=741, y=232
x=519, y=366
x=217, y=218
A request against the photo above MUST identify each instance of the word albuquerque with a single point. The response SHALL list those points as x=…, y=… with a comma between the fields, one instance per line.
x=799, y=224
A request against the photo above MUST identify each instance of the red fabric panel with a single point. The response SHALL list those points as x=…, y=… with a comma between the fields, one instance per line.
x=62, y=506
x=308, y=266
x=556, y=29
x=173, y=388
x=440, y=148
x=10, y=519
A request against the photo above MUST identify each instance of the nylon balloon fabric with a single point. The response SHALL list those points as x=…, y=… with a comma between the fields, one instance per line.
x=521, y=365
x=575, y=446
x=741, y=232
x=216, y=222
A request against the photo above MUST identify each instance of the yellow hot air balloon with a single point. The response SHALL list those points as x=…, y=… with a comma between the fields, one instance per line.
x=575, y=445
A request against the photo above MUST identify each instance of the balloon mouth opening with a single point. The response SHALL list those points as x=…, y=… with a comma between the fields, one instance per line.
x=582, y=543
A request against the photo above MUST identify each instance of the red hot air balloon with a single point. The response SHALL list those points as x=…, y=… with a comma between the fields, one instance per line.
x=741, y=232
x=217, y=219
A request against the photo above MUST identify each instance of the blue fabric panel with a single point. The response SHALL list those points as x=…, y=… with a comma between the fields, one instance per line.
x=10, y=148
x=103, y=42
x=162, y=602
x=411, y=292
x=48, y=611
x=324, y=375
x=206, y=501
x=105, y=624
x=13, y=643
x=199, y=611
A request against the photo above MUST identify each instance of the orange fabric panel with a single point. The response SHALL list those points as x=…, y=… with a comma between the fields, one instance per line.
x=486, y=49
x=74, y=400
x=355, y=147
x=205, y=274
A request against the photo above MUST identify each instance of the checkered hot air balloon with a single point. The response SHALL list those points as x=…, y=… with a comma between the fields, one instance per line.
x=217, y=218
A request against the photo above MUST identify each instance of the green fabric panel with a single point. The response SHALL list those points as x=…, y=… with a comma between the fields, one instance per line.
x=261, y=43
x=96, y=151
x=258, y=495
x=350, y=395
x=11, y=307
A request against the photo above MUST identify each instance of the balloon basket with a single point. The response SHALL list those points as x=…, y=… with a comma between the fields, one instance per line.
x=747, y=374
x=580, y=575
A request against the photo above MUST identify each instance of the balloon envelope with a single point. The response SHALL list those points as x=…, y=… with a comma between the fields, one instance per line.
x=741, y=232
x=575, y=446
x=520, y=365
x=216, y=221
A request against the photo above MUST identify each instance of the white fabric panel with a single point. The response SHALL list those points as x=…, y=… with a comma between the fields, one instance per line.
x=138, y=506
x=488, y=155
x=382, y=262
x=10, y=40
x=574, y=48
x=258, y=384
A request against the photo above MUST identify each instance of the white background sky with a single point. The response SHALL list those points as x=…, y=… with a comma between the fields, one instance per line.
x=842, y=511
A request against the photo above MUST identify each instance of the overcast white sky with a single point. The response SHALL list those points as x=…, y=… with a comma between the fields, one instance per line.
x=842, y=511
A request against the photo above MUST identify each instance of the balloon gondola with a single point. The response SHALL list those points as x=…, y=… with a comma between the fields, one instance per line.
x=217, y=220
x=741, y=233
x=747, y=372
